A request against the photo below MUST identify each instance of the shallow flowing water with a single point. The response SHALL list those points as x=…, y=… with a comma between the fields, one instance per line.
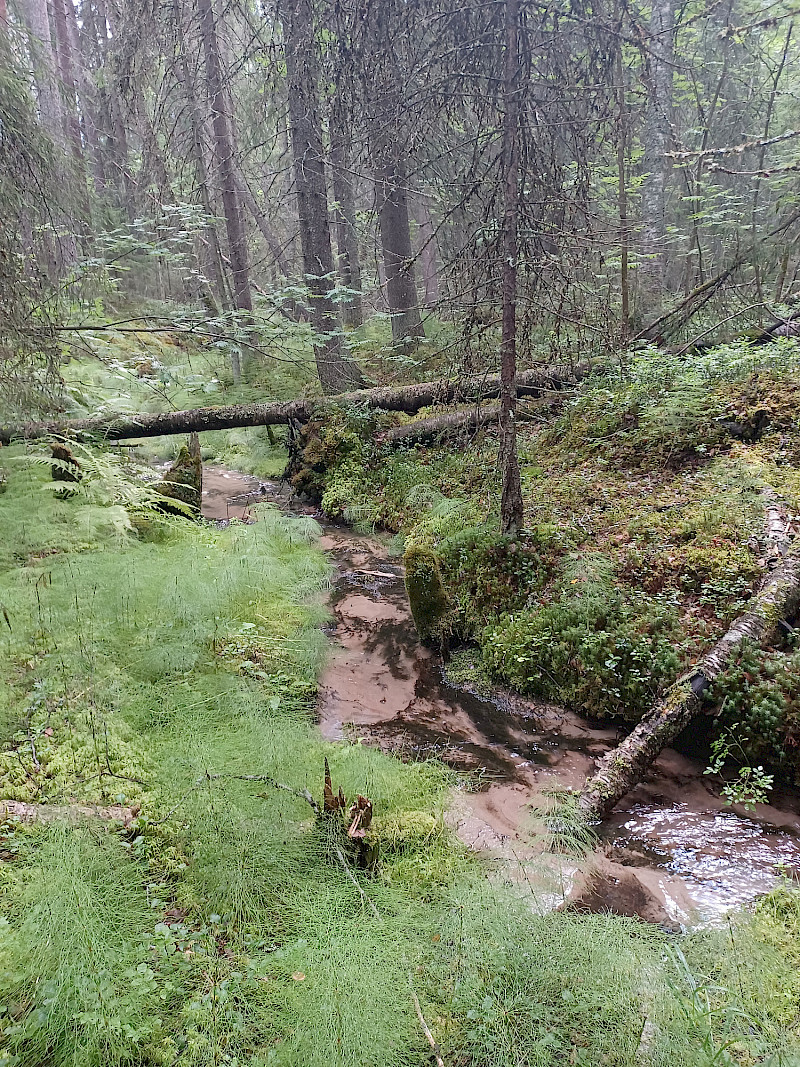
x=671, y=851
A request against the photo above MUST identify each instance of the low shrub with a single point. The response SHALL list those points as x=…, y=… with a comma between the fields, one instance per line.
x=593, y=649
x=758, y=699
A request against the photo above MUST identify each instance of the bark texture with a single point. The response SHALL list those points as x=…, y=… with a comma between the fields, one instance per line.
x=344, y=214
x=398, y=255
x=623, y=767
x=457, y=421
x=511, y=507
x=387, y=28
x=409, y=398
x=224, y=155
x=186, y=76
x=335, y=370
x=656, y=145
x=441, y=425
x=428, y=258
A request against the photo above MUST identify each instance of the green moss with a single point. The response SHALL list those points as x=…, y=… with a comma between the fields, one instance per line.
x=592, y=649
x=430, y=605
x=757, y=698
x=325, y=445
x=183, y=482
x=465, y=669
x=403, y=831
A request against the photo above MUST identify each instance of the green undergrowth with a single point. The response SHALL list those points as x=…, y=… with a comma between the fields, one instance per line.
x=644, y=504
x=169, y=668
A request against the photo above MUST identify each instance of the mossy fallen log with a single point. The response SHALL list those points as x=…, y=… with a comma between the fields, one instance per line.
x=624, y=766
x=31, y=813
x=421, y=430
x=409, y=399
x=412, y=433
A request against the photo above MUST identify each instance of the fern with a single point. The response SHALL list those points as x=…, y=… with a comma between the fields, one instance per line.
x=107, y=482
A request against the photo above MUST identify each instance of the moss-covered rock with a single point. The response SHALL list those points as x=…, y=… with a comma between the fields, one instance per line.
x=183, y=482
x=430, y=606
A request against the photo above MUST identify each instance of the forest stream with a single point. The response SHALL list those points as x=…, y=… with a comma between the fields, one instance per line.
x=671, y=852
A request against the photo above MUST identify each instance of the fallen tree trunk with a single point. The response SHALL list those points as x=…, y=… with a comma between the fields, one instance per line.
x=412, y=433
x=660, y=329
x=409, y=399
x=624, y=766
x=440, y=425
x=25, y=812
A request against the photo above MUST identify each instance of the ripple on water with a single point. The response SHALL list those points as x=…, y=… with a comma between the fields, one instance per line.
x=725, y=859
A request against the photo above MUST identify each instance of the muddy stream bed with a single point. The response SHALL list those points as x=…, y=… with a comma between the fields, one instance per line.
x=672, y=852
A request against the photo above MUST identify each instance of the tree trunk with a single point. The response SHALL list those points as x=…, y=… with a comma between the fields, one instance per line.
x=623, y=767
x=60, y=249
x=344, y=215
x=66, y=68
x=428, y=258
x=511, y=506
x=398, y=255
x=35, y=16
x=185, y=75
x=84, y=91
x=408, y=399
x=223, y=152
x=116, y=134
x=652, y=269
x=438, y=426
x=622, y=188
x=335, y=370
x=273, y=244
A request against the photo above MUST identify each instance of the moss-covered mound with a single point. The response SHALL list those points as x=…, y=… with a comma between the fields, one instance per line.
x=430, y=605
x=183, y=482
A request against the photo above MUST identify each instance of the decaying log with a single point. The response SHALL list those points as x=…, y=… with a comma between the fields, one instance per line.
x=661, y=328
x=409, y=399
x=623, y=767
x=412, y=433
x=65, y=466
x=420, y=430
x=25, y=812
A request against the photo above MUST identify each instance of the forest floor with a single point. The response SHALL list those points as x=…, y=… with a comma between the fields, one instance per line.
x=168, y=670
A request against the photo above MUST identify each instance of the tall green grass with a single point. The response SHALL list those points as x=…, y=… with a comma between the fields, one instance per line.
x=219, y=925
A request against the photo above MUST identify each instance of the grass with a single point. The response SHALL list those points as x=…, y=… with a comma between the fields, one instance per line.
x=156, y=663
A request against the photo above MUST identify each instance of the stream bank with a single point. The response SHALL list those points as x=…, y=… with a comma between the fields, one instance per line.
x=671, y=852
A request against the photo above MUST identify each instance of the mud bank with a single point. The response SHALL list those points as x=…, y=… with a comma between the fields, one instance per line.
x=671, y=853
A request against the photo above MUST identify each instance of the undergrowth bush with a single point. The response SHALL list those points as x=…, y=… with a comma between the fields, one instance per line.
x=757, y=698
x=590, y=647
x=659, y=407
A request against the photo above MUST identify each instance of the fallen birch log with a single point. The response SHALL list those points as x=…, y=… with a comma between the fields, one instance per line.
x=25, y=812
x=624, y=766
x=409, y=399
